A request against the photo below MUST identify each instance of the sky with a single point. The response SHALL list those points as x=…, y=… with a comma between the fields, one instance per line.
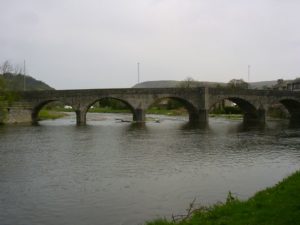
x=74, y=44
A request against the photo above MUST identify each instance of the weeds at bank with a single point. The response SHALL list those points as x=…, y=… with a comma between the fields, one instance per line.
x=60, y=112
x=167, y=112
x=227, y=116
x=109, y=110
x=156, y=111
x=279, y=205
x=50, y=115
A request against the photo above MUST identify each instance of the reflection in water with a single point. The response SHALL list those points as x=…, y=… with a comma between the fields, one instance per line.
x=242, y=127
x=189, y=126
x=137, y=126
x=294, y=124
x=126, y=173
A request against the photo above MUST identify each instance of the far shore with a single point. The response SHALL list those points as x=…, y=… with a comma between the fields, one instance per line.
x=56, y=114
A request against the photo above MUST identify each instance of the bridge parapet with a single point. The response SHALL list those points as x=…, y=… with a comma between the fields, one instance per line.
x=137, y=99
x=255, y=103
x=198, y=101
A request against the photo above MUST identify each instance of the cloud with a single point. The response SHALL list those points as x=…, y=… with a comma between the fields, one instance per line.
x=98, y=43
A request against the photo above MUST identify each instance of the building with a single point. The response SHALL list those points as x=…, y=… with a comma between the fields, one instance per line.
x=294, y=85
x=281, y=85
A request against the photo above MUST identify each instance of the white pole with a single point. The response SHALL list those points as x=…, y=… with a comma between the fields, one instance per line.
x=138, y=71
x=248, y=73
x=24, y=76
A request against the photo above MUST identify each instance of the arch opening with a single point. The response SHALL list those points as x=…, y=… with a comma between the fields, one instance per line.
x=278, y=111
x=293, y=108
x=238, y=107
x=50, y=110
x=174, y=106
x=109, y=105
x=225, y=107
x=3, y=110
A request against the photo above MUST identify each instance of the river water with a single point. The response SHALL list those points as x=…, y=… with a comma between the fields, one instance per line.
x=114, y=173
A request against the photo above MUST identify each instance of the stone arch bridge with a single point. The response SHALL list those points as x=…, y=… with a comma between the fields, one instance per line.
x=197, y=101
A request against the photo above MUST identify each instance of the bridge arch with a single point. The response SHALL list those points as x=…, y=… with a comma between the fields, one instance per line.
x=39, y=106
x=293, y=107
x=101, y=99
x=250, y=112
x=191, y=109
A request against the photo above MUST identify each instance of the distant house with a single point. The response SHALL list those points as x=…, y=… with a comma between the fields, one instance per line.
x=281, y=85
x=294, y=85
x=67, y=107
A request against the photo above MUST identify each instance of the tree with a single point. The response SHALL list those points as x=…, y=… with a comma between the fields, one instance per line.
x=2, y=84
x=2, y=100
x=6, y=99
x=17, y=70
x=237, y=84
x=187, y=82
x=6, y=67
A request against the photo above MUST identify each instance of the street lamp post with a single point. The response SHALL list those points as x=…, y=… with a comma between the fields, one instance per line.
x=138, y=72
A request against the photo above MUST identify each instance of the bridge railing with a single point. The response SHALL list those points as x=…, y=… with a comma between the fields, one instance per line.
x=255, y=92
x=88, y=92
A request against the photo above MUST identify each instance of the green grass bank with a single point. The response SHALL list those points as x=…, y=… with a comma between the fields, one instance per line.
x=279, y=205
x=169, y=112
x=50, y=115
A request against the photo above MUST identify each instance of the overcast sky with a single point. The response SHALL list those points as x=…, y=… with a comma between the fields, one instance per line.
x=97, y=43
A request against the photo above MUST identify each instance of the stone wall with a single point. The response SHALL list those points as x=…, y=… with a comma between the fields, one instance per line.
x=17, y=115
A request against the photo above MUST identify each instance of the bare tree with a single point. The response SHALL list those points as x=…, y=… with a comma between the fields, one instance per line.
x=237, y=84
x=6, y=67
x=187, y=82
x=17, y=69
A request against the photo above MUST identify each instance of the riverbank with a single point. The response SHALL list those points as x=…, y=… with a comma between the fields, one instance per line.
x=228, y=116
x=279, y=205
x=51, y=115
x=166, y=112
x=156, y=111
x=59, y=113
x=45, y=114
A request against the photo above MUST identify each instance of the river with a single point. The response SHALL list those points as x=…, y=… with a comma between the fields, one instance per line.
x=116, y=173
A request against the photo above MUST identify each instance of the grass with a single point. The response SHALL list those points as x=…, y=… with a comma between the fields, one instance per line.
x=228, y=116
x=279, y=205
x=167, y=112
x=108, y=110
x=172, y=112
x=50, y=115
x=154, y=110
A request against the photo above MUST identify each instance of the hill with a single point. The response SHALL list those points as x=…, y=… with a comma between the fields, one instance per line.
x=263, y=84
x=157, y=84
x=15, y=82
x=173, y=83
